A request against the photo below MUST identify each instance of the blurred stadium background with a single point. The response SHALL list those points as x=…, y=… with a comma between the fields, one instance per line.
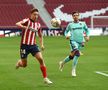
x=12, y=11
x=95, y=58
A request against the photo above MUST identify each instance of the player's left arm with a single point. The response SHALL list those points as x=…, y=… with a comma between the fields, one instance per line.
x=41, y=39
x=87, y=31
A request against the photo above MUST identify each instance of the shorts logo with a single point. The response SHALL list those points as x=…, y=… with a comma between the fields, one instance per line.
x=23, y=51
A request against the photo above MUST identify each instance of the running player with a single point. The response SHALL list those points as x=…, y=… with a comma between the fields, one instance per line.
x=76, y=29
x=28, y=45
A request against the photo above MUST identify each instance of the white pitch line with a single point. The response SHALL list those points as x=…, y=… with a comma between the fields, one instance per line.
x=104, y=74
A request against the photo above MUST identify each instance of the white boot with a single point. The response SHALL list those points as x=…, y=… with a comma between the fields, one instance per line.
x=47, y=81
x=74, y=72
x=61, y=65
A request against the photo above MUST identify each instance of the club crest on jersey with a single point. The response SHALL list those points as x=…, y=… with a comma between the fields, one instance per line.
x=80, y=23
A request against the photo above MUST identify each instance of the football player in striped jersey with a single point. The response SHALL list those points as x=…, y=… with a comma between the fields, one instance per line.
x=28, y=45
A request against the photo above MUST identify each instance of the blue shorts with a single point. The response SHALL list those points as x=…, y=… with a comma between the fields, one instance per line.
x=76, y=45
x=26, y=49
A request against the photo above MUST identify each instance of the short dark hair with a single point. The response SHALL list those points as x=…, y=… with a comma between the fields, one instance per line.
x=75, y=12
x=34, y=10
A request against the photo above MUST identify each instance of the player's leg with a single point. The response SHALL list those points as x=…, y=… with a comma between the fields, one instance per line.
x=75, y=59
x=23, y=55
x=37, y=54
x=70, y=57
x=39, y=57
x=21, y=63
x=67, y=59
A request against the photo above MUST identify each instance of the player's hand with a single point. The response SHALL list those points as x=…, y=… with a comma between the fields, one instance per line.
x=42, y=47
x=67, y=37
x=87, y=38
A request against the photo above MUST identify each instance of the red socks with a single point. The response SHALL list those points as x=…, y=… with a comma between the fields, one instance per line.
x=43, y=69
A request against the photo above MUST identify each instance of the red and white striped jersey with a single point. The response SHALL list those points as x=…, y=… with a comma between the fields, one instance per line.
x=28, y=36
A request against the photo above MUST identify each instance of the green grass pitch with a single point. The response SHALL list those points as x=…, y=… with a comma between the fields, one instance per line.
x=95, y=58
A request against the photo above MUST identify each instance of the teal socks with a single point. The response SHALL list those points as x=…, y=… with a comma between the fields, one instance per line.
x=75, y=60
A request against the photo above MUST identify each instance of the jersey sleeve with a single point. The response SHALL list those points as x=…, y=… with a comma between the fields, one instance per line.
x=87, y=31
x=25, y=21
x=68, y=28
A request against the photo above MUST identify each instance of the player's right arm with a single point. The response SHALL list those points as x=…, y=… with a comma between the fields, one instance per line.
x=66, y=33
x=22, y=24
